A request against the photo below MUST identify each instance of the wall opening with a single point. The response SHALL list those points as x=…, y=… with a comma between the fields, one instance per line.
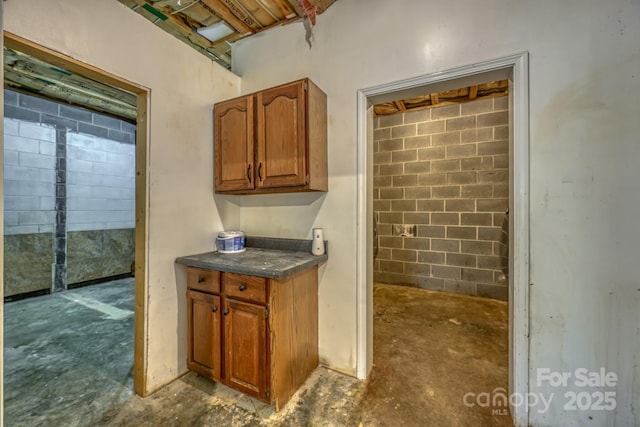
x=440, y=203
x=514, y=68
x=135, y=113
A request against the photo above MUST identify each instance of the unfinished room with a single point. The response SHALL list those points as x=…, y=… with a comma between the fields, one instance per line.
x=320, y=212
x=69, y=239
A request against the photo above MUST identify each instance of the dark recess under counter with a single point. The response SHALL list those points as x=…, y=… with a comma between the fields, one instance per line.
x=265, y=257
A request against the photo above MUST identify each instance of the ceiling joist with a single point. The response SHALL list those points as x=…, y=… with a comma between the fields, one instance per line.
x=24, y=73
x=223, y=11
x=183, y=19
x=457, y=96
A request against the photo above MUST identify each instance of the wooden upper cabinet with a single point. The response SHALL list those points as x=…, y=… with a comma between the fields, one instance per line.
x=234, y=144
x=288, y=139
x=280, y=133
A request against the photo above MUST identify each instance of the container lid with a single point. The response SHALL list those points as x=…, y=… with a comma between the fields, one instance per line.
x=228, y=234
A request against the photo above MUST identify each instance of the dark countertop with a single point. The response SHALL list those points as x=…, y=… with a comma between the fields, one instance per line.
x=259, y=261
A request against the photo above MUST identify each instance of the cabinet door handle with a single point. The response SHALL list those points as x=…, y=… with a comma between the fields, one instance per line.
x=225, y=312
x=249, y=173
x=260, y=171
x=242, y=287
x=200, y=279
x=214, y=308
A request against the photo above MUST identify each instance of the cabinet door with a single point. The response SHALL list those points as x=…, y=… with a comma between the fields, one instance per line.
x=245, y=340
x=234, y=145
x=204, y=350
x=281, y=133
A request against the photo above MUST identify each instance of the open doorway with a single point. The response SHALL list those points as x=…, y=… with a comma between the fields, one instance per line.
x=80, y=144
x=440, y=206
x=513, y=69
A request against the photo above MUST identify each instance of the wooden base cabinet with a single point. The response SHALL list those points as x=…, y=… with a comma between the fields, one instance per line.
x=203, y=311
x=257, y=335
x=245, y=343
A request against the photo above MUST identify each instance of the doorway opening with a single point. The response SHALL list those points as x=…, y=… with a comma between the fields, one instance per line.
x=440, y=206
x=77, y=208
x=514, y=70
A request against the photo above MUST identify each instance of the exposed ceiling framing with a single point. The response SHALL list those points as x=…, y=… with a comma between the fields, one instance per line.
x=27, y=74
x=457, y=96
x=183, y=19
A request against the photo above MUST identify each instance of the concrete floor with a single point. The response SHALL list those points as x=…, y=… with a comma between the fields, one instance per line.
x=68, y=356
x=430, y=349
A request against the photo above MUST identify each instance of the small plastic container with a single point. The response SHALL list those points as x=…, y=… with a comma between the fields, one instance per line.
x=230, y=242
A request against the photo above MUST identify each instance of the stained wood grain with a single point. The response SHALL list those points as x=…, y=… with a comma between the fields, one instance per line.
x=204, y=334
x=234, y=144
x=243, y=287
x=293, y=322
x=290, y=137
x=317, y=137
x=203, y=280
x=281, y=136
x=245, y=343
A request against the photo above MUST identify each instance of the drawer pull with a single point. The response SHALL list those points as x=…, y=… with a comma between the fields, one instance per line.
x=242, y=287
x=214, y=308
x=200, y=279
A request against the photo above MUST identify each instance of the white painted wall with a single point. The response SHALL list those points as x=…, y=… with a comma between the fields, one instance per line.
x=184, y=84
x=585, y=191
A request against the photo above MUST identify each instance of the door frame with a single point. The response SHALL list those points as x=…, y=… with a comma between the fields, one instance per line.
x=516, y=69
x=141, y=191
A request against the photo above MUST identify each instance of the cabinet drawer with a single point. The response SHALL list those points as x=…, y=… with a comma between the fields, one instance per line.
x=203, y=280
x=244, y=287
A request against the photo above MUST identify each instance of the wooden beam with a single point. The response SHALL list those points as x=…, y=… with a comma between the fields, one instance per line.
x=140, y=315
x=223, y=11
x=175, y=26
x=400, y=105
x=483, y=91
x=285, y=8
x=473, y=92
x=265, y=8
x=280, y=23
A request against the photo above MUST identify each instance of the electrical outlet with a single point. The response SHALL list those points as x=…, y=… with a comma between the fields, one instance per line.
x=404, y=230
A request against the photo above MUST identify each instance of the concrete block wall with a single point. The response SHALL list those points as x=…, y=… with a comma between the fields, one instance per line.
x=100, y=167
x=99, y=170
x=100, y=183
x=29, y=177
x=441, y=190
